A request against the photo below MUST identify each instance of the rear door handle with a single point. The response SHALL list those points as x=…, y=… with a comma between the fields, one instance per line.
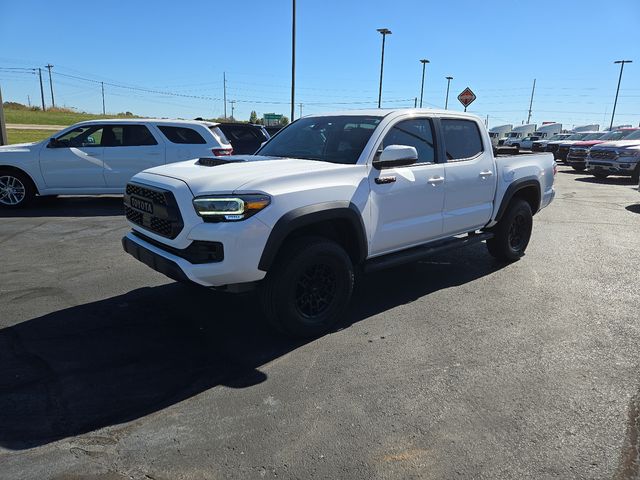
x=486, y=173
x=436, y=180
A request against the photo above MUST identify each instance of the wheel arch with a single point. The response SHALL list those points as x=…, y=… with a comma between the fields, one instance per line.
x=338, y=221
x=12, y=168
x=527, y=189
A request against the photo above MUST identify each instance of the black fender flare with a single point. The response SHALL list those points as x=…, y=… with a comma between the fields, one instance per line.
x=308, y=215
x=515, y=187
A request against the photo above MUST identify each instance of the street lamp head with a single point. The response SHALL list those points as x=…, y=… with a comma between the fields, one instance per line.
x=424, y=60
x=623, y=61
x=449, y=78
x=384, y=31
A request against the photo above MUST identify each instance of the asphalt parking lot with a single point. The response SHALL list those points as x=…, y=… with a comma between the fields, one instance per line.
x=456, y=367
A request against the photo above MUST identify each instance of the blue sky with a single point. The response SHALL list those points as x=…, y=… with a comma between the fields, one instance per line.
x=495, y=47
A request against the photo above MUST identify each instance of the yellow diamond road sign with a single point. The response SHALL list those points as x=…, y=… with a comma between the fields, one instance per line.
x=467, y=97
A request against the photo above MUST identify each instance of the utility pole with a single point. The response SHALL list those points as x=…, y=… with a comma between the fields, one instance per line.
x=49, y=67
x=486, y=122
x=233, y=107
x=293, y=58
x=531, y=102
x=29, y=100
x=103, y=109
x=300, y=110
x=41, y=89
x=384, y=32
x=3, y=126
x=415, y=102
x=424, y=62
x=224, y=89
x=613, y=114
x=446, y=102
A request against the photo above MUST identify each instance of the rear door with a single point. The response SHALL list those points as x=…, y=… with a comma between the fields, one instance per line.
x=129, y=149
x=470, y=176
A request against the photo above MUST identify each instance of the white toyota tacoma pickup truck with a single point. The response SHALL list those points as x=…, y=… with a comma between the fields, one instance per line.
x=330, y=196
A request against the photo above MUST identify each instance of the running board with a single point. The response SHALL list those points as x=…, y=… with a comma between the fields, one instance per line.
x=418, y=253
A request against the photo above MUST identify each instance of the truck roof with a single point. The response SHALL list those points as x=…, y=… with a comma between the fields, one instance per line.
x=383, y=112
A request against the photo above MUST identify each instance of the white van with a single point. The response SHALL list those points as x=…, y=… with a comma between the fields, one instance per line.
x=518, y=133
x=499, y=133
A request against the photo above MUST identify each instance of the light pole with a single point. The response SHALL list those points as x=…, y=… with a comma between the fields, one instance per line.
x=424, y=62
x=446, y=102
x=613, y=114
x=49, y=67
x=384, y=32
x=293, y=58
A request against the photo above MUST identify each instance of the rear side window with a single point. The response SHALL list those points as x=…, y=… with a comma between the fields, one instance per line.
x=240, y=134
x=136, y=136
x=462, y=139
x=181, y=134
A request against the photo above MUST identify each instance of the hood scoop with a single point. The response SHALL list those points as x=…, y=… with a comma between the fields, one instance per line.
x=214, y=162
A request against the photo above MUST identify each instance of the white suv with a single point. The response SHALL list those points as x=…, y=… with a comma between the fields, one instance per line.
x=100, y=156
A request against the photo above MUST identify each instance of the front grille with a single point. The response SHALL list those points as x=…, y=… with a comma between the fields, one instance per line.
x=580, y=153
x=160, y=214
x=198, y=252
x=603, y=154
x=155, y=196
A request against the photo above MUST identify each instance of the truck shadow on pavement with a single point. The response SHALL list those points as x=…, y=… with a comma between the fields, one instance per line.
x=116, y=360
x=608, y=180
x=107, y=206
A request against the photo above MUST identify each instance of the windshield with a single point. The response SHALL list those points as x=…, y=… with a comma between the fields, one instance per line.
x=593, y=136
x=633, y=136
x=557, y=137
x=617, y=134
x=339, y=139
x=576, y=136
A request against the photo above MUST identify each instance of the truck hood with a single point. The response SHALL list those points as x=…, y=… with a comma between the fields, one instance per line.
x=588, y=143
x=631, y=144
x=18, y=147
x=252, y=171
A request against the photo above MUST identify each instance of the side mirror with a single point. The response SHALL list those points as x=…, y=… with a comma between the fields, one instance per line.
x=396, y=156
x=53, y=143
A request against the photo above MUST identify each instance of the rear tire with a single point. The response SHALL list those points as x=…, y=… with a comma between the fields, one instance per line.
x=308, y=289
x=16, y=189
x=512, y=233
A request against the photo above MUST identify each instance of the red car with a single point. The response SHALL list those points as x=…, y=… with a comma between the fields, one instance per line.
x=579, y=150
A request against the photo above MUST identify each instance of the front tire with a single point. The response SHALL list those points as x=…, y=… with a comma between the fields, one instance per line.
x=512, y=233
x=16, y=189
x=578, y=168
x=599, y=175
x=308, y=289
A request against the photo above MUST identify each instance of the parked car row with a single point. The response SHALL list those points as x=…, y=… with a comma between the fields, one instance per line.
x=615, y=152
x=100, y=156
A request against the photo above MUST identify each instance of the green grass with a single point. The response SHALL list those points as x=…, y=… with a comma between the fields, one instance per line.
x=63, y=117
x=23, y=136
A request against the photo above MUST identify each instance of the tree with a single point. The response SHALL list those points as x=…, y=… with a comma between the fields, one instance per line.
x=253, y=118
x=284, y=120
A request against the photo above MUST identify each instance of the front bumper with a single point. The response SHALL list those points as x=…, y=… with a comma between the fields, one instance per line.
x=575, y=161
x=621, y=166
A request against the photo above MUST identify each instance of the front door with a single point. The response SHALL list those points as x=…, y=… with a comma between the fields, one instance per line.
x=407, y=202
x=129, y=149
x=74, y=160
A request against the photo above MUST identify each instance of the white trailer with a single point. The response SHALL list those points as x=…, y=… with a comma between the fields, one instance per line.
x=499, y=133
x=548, y=130
x=518, y=133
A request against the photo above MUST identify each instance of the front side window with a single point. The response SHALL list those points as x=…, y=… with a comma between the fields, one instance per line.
x=181, y=134
x=89, y=136
x=416, y=133
x=462, y=139
x=338, y=139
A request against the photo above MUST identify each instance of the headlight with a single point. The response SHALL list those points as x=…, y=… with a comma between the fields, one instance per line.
x=229, y=208
x=629, y=153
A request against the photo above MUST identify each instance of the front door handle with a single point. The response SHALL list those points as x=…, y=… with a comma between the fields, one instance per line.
x=436, y=180
x=486, y=173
